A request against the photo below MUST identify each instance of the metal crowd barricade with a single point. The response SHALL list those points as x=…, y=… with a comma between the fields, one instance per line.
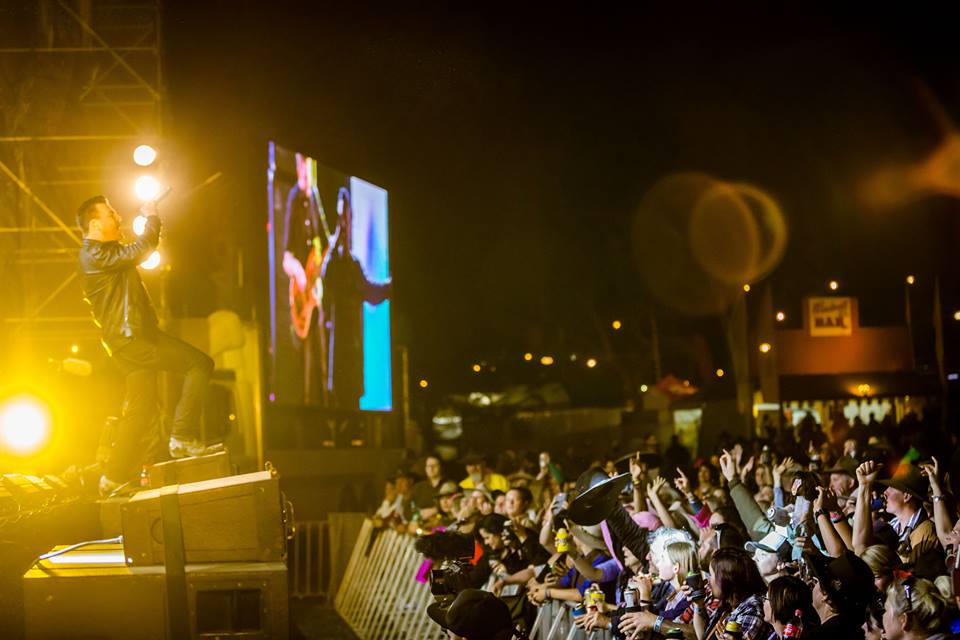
x=379, y=596
x=554, y=621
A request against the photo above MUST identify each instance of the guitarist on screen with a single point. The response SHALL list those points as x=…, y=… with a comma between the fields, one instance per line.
x=306, y=241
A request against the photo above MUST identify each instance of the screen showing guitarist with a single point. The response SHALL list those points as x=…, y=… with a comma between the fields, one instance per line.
x=306, y=241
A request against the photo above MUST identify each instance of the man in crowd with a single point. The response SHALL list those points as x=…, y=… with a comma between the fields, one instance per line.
x=481, y=477
x=424, y=491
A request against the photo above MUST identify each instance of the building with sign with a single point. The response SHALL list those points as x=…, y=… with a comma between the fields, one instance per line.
x=832, y=366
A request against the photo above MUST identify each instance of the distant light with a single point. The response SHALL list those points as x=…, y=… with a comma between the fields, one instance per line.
x=911, y=280
x=546, y=361
x=232, y=417
x=152, y=262
x=573, y=357
x=147, y=188
x=139, y=224
x=144, y=155
x=476, y=368
x=424, y=384
x=591, y=363
x=616, y=324
x=746, y=288
x=953, y=376
x=528, y=356
x=686, y=383
x=273, y=397
x=24, y=424
x=834, y=285
x=74, y=348
x=956, y=315
x=765, y=347
x=720, y=373
x=643, y=388
x=781, y=316
x=863, y=390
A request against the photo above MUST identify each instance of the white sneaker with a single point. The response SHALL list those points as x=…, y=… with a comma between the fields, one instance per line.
x=108, y=487
x=191, y=448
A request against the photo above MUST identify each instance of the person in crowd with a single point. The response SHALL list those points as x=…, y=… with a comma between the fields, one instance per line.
x=842, y=591
x=770, y=553
x=785, y=596
x=396, y=510
x=517, y=503
x=424, y=491
x=479, y=476
x=843, y=482
x=474, y=615
x=944, y=506
x=883, y=562
x=585, y=564
x=499, y=502
x=915, y=610
x=904, y=495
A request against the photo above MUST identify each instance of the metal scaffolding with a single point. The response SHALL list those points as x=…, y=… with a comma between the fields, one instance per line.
x=81, y=83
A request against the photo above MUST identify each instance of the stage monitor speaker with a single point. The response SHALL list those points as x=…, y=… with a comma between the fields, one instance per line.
x=187, y=470
x=233, y=519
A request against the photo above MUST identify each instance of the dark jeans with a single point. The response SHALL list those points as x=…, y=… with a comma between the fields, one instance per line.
x=140, y=359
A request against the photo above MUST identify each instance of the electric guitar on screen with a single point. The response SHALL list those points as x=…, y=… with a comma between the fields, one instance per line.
x=304, y=300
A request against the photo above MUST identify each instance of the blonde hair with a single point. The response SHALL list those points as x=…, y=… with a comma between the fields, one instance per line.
x=683, y=554
x=926, y=607
x=881, y=559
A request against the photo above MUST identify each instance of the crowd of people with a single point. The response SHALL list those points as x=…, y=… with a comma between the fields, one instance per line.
x=847, y=537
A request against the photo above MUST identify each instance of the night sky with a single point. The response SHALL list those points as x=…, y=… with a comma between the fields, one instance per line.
x=517, y=144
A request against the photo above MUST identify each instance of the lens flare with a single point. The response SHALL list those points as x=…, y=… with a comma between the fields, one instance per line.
x=144, y=155
x=152, y=262
x=24, y=424
x=147, y=188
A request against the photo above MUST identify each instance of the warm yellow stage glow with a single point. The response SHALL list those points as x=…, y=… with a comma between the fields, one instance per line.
x=746, y=288
x=528, y=356
x=424, y=384
x=616, y=324
x=476, y=368
x=152, y=262
x=146, y=188
x=24, y=424
x=765, y=347
x=74, y=348
x=720, y=373
x=144, y=155
x=911, y=280
x=139, y=224
x=591, y=363
x=546, y=361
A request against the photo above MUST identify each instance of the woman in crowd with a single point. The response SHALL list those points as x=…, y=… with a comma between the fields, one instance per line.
x=738, y=587
x=883, y=561
x=785, y=596
x=915, y=610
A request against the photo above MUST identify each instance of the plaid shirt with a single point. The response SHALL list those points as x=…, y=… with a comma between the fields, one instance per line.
x=748, y=613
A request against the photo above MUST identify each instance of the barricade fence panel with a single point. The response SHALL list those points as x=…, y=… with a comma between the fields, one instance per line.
x=379, y=596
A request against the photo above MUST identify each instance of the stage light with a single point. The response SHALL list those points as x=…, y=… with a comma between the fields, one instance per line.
x=74, y=348
x=643, y=388
x=147, y=188
x=139, y=224
x=720, y=373
x=834, y=285
x=144, y=155
x=591, y=363
x=424, y=384
x=616, y=324
x=911, y=279
x=765, y=347
x=746, y=288
x=24, y=424
x=956, y=315
x=152, y=262
x=476, y=368
x=546, y=361
x=781, y=316
x=528, y=357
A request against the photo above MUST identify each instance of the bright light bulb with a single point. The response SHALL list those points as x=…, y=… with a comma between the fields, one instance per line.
x=144, y=155
x=528, y=356
x=643, y=388
x=834, y=285
x=765, y=347
x=139, y=224
x=911, y=280
x=546, y=361
x=591, y=363
x=147, y=188
x=746, y=288
x=24, y=424
x=152, y=262
x=781, y=316
x=424, y=384
x=720, y=373
x=476, y=368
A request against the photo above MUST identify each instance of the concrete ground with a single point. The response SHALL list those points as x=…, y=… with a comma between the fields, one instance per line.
x=317, y=620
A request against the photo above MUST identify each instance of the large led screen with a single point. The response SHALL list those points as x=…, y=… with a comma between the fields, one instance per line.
x=330, y=286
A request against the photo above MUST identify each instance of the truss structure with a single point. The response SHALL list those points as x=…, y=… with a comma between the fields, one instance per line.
x=81, y=84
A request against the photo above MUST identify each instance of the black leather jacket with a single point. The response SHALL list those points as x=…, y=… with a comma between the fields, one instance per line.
x=112, y=285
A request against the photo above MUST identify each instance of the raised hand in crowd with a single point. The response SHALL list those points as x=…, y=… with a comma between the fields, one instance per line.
x=863, y=518
x=867, y=473
x=943, y=514
x=638, y=470
x=728, y=466
x=785, y=465
x=682, y=483
x=745, y=470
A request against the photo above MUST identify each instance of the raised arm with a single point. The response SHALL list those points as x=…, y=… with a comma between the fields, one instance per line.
x=942, y=517
x=111, y=256
x=823, y=505
x=862, y=518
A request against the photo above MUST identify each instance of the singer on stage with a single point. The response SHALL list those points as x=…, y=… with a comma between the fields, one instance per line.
x=123, y=310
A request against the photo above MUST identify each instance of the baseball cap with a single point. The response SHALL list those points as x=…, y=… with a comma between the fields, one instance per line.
x=773, y=542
